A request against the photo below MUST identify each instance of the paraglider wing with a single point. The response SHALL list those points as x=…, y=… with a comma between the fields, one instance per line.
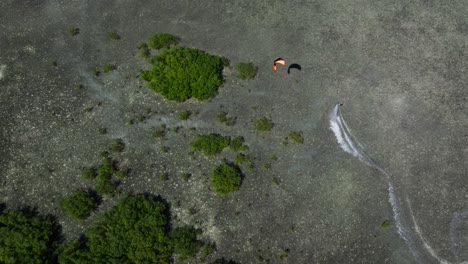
x=294, y=66
x=279, y=61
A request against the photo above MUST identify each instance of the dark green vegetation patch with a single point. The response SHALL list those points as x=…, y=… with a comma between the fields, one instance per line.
x=263, y=124
x=213, y=144
x=162, y=40
x=296, y=137
x=182, y=73
x=246, y=71
x=26, y=239
x=73, y=31
x=136, y=230
x=79, y=205
x=225, y=178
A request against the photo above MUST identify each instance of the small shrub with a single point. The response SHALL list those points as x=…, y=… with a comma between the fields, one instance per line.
x=73, y=31
x=241, y=158
x=106, y=169
x=186, y=176
x=246, y=71
x=211, y=144
x=104, y=154
x=145, y=53
x=141, y=118
x=225, y=179
x=160, y=132
x=182, y=73
x=164, y=177
x=184, y=115
x=275, y=181
x=185, y=243
x=142, y=45
x=267, y=166
x=225, y=119
x=122, y=173
x=88, y=109
x=385, y=224
x=296, y=137
x=113, y=35
x=164, y=149
x=108, y=67
x=117, y=145
x=102, y=130
x=237, y=144
x=88, y=173
x=79, y=205
x=263, y=124
x=105, y=186
x=162, y=40
x=207, y=250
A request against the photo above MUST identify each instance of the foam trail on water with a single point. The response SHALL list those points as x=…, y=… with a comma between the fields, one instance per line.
x=350, y=145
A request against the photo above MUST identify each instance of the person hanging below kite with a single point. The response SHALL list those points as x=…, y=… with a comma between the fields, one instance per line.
x=279, y=61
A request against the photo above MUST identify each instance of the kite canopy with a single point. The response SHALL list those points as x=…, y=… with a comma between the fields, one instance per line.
x=279, y=61
x=294, y=66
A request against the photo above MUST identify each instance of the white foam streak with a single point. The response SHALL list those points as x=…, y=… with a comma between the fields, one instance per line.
x=350, y=145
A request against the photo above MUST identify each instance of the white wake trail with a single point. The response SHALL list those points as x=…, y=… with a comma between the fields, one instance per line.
x=350, y=145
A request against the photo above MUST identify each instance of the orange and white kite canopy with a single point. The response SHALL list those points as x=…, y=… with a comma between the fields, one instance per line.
x=278, y=61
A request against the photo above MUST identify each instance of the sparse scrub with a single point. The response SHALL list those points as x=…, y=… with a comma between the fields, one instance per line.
x=186, y=176
x=223, y=261
x=211, y=144
x=385, y=224
x=108, y=67
x=88, y=173
x=182, y=73
x=117, y=145
x=160, y=132
x=122, y=173
x=224, y=118
x=79, y=205
x=296, y=137
x=145, y=53
x=275, y=181
x=164, y=149
x=163, y=40
x=184, y=115
x=88, y=109
x=263, y=124
x=113, y=36
x=237, y=144
x=185, y=243
x=105, y=186
x=225, y=178
x=246, y=71
x=102, y=130
x=164, y=177
x=241, y=158
x=73, y=31
x=207, y=250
